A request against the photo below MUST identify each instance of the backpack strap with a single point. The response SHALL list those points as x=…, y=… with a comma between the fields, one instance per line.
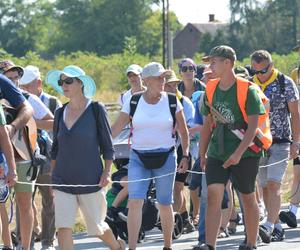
x=52, y=104
x=133, y=104
x=173, y=107
x=96, y=112
x=25, y=94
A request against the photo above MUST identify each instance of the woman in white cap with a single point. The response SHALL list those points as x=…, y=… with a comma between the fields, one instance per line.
x=153, y=140
x=133, y=74
x=81, y=134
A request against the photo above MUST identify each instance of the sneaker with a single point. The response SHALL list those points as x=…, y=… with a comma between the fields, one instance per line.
x=7, y=248
x=45, y=247
x=123, y=214
x=203, y=246
x=262, y=212
x=265, y=234
x=244, y=242
x=188, y=227
x=244, y=247
x=289, y=218
x=112, y=214
x=278, y=235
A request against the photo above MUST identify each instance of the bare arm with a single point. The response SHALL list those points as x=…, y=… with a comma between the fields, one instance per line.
x=105, y=177
x=7, y=150
x=295, y=121
x=120, y=123
x=46, y=123
x=25, y=111
x=184, y=135
x=248, y=138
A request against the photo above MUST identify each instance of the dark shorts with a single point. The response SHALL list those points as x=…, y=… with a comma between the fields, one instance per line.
x=243, y=174
x=181, y=177
x=196, y=179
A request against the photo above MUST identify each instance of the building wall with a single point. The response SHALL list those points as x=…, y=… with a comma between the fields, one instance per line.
x=186, y=43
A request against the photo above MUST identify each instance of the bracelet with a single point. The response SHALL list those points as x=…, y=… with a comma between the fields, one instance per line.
x=186, y=156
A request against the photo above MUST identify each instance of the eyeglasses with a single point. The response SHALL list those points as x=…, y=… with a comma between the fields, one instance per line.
x=68, y=81
x=262, y=71
x=187, y=68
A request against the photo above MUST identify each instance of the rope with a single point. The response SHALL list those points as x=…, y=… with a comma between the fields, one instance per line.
x=132, y=181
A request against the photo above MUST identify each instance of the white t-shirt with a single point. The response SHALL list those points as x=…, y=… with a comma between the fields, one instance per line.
x=152, y=124
x=39, y=108
x=124, y=97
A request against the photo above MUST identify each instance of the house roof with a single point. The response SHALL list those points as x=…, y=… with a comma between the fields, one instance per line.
x=210, y=27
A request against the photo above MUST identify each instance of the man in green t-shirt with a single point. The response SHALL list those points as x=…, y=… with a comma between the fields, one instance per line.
x=223, y=155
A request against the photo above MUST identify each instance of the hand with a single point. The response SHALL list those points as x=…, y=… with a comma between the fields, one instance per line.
x=183, y=165
x=294, y=150
x=11, y=178
x=203, y=163
x=105, y=179
x=232, y=160
x=11, y=129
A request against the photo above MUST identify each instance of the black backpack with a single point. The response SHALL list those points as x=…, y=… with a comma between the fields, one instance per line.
x=172, y=106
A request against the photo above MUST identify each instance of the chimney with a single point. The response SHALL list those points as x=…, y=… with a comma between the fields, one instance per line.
x=211, y=17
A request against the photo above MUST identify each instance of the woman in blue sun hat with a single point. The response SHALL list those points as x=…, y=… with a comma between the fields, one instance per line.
x=81, y=134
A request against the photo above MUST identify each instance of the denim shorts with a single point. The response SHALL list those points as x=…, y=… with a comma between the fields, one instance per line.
x=278, y=152
x=164, y=186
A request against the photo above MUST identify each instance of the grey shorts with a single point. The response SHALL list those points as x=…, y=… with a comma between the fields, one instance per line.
x=277, y=153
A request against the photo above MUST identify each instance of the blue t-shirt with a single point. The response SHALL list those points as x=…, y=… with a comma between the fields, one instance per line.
x=11, y=93
x=196, y=98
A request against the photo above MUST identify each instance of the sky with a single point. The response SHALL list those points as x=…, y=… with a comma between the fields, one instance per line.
x=197, y=11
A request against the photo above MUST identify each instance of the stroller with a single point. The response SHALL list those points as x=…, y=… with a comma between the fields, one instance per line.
x=150, y=213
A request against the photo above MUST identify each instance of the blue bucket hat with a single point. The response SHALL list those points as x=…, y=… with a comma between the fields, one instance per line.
x=53, y=76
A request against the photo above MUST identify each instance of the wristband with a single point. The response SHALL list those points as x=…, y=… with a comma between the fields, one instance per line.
x=186, y=156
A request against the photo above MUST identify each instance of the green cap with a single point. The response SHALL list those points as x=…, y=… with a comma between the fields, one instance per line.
x=221, y=51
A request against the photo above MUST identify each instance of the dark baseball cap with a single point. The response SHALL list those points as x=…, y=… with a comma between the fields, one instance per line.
x=221, y=51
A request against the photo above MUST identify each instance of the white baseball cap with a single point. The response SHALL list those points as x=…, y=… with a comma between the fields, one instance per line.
x=134, y=68
x=31, y=73
x=153, y=69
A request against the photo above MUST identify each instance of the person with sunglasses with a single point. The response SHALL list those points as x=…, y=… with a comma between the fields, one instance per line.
x=76, y=150
x=290, y=217
x=284, y=123
x=189, y=84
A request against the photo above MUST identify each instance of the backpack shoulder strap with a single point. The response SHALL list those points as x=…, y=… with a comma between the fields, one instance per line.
x=133, y=104
x=52, y=104
x=173, y=107
x=58, y=116
x=96, y=112
x=25, y=94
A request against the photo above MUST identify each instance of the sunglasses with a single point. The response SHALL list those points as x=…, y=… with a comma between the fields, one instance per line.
x=68, y=81
x=187, y=68
x=262, y=71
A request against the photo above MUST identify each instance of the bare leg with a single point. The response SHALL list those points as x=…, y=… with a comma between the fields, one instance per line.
x=167, y=223
x=251, y=214
x=24, y=200
x=213, y=212
x=295, y=191
x=134, y=221
x=65, y=240
x=6, y=238
x=109, y=239
x=178, y=196
x=226, y=213
x=196, y=202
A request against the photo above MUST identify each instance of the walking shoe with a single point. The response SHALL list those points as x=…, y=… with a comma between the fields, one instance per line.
x=277, y=235
x=203, y=246
x=188, y=227
x=47, y=247
x=289, y=218
x=7, y=248
x=265, y=234
x=244, y=243
x=123, y=214
x=244, y=247
x=167, y=248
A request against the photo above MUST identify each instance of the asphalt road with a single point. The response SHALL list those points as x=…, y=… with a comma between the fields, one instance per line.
x=153, y=241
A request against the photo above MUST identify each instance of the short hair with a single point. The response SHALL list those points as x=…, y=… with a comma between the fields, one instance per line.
x=261, y=55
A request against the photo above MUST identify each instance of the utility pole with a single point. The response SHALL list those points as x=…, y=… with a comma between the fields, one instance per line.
x=164, y=33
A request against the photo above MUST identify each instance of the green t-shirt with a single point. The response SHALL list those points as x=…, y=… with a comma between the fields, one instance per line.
x=227, y=104
x=2, y=116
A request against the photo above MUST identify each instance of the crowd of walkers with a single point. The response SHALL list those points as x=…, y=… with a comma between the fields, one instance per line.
x=218, y=130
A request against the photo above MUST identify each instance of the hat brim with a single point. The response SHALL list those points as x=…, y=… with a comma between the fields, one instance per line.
x=89, y=85
x=206, y=58
x=18, y=68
